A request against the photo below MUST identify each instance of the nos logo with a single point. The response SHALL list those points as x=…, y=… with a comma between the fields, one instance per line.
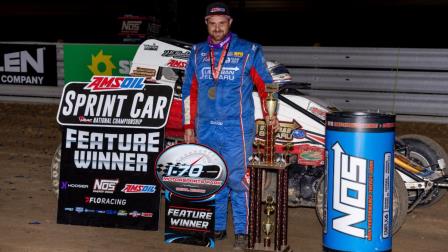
x=105, y=185
x=349, y=195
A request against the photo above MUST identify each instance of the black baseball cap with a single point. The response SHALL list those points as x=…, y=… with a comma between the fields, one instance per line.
x=217, y=8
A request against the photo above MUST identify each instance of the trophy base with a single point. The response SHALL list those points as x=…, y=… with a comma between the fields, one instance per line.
x=259, y=247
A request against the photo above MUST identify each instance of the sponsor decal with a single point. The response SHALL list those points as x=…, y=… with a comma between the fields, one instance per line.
x=217, y=9
x=149, y=47
x=105, y=185
x=135, y=214
x=147, y=215
x=191, y=171
x=284, y=132
x=87, y=210
x=177, y=64
x=232, y=60
x=104, y=201
x=122, y=213
x=64, y=185
x=147, y=73
x=227, y=73
x=105, y=83
x=298, y=133
x=350, y=193
x=69, y=209
x=318, y=112
x=82, y=119
x=79, y=209
x=137, y=188
x=176, y=54
x=238, y=54
x=101, y=211
x=111, y=212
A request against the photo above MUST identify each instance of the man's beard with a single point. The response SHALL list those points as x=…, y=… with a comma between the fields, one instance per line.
x=218, y=37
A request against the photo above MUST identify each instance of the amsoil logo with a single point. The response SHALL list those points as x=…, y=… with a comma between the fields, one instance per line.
x=136, y=188
x=177, y=64
x=111, y=83
x=105, y=185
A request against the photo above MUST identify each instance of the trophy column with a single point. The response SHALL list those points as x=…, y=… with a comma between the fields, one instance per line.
x=261, y=232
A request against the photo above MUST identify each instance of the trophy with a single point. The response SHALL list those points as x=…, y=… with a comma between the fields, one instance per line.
x=278, y=208
x=267, y=224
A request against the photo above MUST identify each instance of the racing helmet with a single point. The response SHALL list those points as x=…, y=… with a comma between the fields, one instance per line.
x=279, y=72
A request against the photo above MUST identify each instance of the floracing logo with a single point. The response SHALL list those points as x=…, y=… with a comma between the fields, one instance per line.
x=191, y=171
x=104, y=201
x=136, y=188
x=105, y=185
x=111, y=83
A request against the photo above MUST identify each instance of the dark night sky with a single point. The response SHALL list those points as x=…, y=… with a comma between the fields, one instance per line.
x=373, y=23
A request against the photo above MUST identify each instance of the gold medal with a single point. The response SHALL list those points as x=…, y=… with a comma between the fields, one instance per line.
x=212, y=93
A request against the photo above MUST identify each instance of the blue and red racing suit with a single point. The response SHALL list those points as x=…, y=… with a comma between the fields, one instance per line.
x=221, y=111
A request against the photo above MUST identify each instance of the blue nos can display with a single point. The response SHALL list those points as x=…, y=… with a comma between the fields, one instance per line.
x=359, y=188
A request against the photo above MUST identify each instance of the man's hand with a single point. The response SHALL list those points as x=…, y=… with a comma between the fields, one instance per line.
x=272, y=121
x=189, y=136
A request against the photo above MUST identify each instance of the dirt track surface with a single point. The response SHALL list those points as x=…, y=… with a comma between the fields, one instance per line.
x=29, y=136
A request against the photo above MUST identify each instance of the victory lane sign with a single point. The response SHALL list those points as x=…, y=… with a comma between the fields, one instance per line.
x=112, y=134
x=191, y=174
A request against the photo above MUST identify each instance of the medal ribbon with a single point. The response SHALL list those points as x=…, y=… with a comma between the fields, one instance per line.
x=217, y=70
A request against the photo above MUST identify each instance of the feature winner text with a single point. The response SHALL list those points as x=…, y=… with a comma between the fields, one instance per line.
x=189, y=218
x=110, y=151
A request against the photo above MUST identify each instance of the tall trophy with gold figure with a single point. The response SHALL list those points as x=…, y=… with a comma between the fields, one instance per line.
x=260, y=231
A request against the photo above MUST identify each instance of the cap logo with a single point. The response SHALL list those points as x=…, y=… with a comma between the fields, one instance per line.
x=217, y=9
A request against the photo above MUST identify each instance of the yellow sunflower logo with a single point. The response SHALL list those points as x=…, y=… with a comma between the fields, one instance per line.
x=101, y=64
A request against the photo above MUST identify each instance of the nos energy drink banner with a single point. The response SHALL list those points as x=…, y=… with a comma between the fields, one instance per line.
x=112, y=135
x=359, y=182
x=191, y=175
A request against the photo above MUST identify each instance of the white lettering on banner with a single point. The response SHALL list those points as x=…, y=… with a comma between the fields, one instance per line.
x=105, y=201
x=106, y=151
x=196, y=219
x=21, y=79
x=17, y=62
x=349, y=195
x=105, y=104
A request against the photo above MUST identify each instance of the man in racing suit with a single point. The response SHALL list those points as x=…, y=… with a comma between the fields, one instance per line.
x=218, y=109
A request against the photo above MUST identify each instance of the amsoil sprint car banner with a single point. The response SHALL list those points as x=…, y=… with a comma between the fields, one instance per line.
x=112, y=101
x=191, y=175
x=112, y=134
x=25, y=64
